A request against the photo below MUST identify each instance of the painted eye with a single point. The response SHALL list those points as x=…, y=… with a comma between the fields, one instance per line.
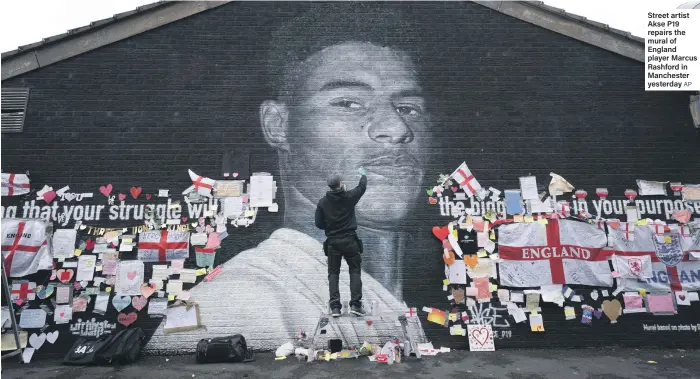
x=408, y=110
x=347, y=104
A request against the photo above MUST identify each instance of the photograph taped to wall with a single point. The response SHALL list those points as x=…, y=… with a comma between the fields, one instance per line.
x=228, y=188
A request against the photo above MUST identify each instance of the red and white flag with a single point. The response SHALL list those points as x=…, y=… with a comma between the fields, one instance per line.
x=560, y=252
x=25, y=247
x=671, y=266
x=163, y=245
x=466, y=180
x=14, y=184
x=201, y=184
x=639, y=267
x=23, y=290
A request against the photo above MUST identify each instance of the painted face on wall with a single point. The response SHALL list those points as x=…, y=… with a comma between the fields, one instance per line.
x=357, y=105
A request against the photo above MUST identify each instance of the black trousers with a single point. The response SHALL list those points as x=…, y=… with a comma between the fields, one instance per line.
x=349, y=249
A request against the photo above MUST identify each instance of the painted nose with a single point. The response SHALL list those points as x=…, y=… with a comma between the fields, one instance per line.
x=389, y=127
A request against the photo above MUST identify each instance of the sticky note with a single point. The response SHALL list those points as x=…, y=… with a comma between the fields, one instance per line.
x=542, y=221
x=201, y=271
x=529, y=219
x=446, y=281
x=518, y=218
x=642, y=291
x=452, y=317
x=98, y=268
x=667, y=239
x=492, y=235
x=481, y=253
x=108, y=289
x=615, y=274
x=77, y=252
x=642, y=222
x=249, y=213
x=171, y=296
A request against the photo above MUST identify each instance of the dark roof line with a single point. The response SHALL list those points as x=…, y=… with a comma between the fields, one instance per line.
x=127, y=24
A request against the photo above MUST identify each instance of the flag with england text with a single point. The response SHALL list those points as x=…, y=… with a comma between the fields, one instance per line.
x=14, y=184
x=672, y=268
x=25, y=247
x=560, y=252
x=163, y=245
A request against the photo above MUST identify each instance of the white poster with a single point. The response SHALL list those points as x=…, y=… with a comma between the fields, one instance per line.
x=261, y=190
x=86, y=267
x=129, y=278
x=64, y=243
x=32, y=318
x=480, y=338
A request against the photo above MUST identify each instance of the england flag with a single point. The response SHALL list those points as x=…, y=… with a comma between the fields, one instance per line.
x=671, y=266
x=560, y=252
x=466, y=180
x=25, y=247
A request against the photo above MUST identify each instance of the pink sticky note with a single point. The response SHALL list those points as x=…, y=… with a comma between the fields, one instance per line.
x=472, y=291
x=615, y=274
x=213, y=241
x=661, y=303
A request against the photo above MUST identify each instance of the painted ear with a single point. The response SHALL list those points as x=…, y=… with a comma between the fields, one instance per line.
x=273, y=119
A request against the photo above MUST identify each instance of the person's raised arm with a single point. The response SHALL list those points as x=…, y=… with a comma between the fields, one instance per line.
x=357, y=192
x=320, y=220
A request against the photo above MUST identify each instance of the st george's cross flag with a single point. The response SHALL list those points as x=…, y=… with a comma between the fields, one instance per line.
x=163, y=245
x=202, y=185
x=466, y=180
x=672, y=268
x=14, y=184
x=560, y=252
x=25, y=248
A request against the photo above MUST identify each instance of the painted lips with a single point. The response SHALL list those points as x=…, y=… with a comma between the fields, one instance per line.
x=393, y=166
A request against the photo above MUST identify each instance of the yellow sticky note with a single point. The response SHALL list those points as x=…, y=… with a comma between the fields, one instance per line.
x=529, y=219
x=127, y=240
x=453, y=317
x=454, y=232
x=98, y=268
x=171, y=296
x=201, y=271
x=249, y=214
x=482, y=253
x=77, y=252
x=542, y=221
x=446, y=281
x=518, y=218
x=642, y=292
x=492, y=235
x=494, y=287
x=642, y=222
x=108, y=289
x=667, y=239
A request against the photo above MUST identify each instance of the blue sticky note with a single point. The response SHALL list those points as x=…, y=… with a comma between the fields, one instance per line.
x=513, y=206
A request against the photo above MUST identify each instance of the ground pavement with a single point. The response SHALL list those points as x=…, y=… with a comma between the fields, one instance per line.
x=611, y=363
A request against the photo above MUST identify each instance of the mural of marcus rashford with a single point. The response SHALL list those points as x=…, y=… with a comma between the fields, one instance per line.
x=347, y=97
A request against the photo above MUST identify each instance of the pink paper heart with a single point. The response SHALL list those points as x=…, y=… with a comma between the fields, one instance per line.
x=64, y=275
x=49, y=196
x=138, y=302
x=127, y=319
x=235, y=174
x=122, y=196
x=19, y=302
x=131, y=275
x=682, y=216
x=147, y=289
x=106, y=190
x=184, y=219
x=148, y=196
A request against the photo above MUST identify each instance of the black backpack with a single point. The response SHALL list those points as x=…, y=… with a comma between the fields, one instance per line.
x=223, y=349
x=121, y=348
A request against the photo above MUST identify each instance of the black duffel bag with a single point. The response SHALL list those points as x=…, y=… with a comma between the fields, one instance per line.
x=223, y=349
x=121, y=348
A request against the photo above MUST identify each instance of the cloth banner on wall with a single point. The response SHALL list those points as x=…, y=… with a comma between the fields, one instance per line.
x=560, y=252
x=24, y=247
x=671, y=266
x=14, y=184
x=162, y=245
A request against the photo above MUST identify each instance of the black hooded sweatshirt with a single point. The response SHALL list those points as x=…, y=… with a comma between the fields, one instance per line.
x=335, y=212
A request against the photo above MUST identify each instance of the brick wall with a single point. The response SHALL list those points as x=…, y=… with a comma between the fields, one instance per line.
x=507, y=97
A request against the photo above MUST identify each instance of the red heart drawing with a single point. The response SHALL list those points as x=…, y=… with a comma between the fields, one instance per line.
x=122, y=197
x=184, y=219
x=138, y=302
x=62, y=314
x=630, y=194
x=235, y=174
x=682, y=297
x=369, y=322
x=432, y=200
x=127, y=319
x=131, y=275
x=581, y=194
x=19, y=302
x=135, y=192
x=148, y=196
x=440, y=233
x=106, y=190
x=454, y=188
x=64, y=275
x=89, y=244
x=481, y=335
x=602, y=192
x=49, y=196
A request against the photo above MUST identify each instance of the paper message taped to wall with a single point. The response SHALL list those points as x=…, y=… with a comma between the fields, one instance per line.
x=64, y=243
x=650, y=188
x=181, y=319
x=261, y=191
x=32, y=318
